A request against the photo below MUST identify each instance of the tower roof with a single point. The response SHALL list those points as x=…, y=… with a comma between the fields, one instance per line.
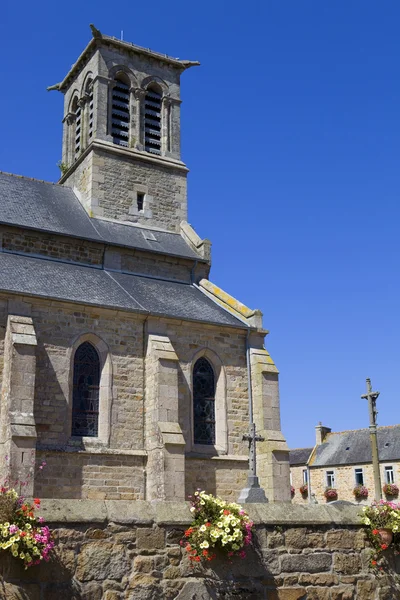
x=100, y=39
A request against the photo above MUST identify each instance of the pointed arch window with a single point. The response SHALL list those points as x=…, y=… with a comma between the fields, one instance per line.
x=152, y=120
x=86, y=386
x=120, y=112
x=203, y=402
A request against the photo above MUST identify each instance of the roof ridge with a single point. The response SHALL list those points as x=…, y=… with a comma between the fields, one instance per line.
x=362, y=429
x=302, y=448
x=29, y=178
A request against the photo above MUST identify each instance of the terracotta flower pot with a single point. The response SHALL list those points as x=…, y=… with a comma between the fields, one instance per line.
x=386, y=536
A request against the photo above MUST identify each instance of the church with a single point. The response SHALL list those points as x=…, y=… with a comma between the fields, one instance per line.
x=123, y=368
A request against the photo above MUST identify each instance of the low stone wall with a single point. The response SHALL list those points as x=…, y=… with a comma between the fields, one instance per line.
x=118, y=550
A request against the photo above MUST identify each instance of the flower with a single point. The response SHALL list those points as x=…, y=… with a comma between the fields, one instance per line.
x=216, y=524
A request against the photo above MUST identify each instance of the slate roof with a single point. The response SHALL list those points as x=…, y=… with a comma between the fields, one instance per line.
x=94, y=286
x=299, y=456
x=353, y=447
x=52, y=208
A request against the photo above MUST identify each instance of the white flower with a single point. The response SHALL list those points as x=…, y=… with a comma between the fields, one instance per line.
x=203, y=528
x=192, y=509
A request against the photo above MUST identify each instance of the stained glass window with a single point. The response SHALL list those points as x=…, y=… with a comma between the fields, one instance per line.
x=85, y=401
x=204, y=402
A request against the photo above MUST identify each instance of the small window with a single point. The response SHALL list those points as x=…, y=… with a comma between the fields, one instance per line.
x=90, y=128
x=152, y=120
x=305, y=476
x=203, y=402
x=140, y=201
x=85, y=398
x=389, y=474
x=359, y=476
x=78, y=128
x=120, y=113
x=330, y=479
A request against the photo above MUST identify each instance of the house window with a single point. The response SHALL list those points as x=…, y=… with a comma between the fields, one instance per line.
x=85, y=398
x=359, y=476
x=203, y=402
x=330, y=479
x=305, y=476
x=120, y=113
x=140, y=201
x=152, y=120
x=389, y=474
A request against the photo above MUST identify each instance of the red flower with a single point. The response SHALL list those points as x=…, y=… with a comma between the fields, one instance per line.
x=373, y=562
x=189, y=532
x=36, y=501
x=384, y=546
x=197, y=558
x=205, y=552
x=226, y=512
x=208, y=524
x=375, y=532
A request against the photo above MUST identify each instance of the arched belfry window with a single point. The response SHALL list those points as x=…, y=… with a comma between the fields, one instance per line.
x=120, y=112
x=152, y=120
x=203, y=402
x=86, y=386
x=76, y=109
x=89, y=91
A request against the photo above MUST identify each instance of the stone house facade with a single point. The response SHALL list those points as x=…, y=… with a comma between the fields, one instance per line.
x=343, y=460
x=122, y=366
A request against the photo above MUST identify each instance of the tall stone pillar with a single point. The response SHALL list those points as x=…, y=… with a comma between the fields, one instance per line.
x=17, y=424
x=165, y=443
x=273, y=453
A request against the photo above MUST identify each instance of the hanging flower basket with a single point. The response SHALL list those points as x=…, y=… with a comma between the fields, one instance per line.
x=331, y=494
x=304, y=490
x=360, y=492
x=390, y=489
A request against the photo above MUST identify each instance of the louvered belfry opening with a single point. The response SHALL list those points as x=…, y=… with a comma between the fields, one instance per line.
x=152, y=121
x=78, y=129
x=90, y=128
x=120, y=113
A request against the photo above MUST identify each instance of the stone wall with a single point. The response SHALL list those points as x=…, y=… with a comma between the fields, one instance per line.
x=344, y=481
x=130, y=551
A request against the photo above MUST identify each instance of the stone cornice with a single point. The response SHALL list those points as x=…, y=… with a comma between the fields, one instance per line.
x=178, y=513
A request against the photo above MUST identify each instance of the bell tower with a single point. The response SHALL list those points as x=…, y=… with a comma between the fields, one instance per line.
x=121, y=133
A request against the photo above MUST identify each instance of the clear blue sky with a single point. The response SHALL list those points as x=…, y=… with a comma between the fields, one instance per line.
x=291, y=130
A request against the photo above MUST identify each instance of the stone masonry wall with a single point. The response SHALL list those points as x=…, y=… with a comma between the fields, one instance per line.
x=344, y=481
x=130, y=551
x=53, y=246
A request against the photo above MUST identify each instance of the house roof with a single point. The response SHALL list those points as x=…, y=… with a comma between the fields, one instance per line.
x=39, y=277
x=354, y=447
x=52, y=208
x=299, y=456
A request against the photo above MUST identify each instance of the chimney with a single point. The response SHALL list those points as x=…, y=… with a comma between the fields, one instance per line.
x=320, y=433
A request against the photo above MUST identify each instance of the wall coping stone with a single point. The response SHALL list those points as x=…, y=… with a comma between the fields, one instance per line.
x=159, y=512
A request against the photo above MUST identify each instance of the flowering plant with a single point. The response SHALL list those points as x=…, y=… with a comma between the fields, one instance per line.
x=360, y=491
x=331, y=493
x=382, y=515
x=391, y=489
x=304, y=489
x=217, y=525
x=21, y=532
x=292, y=490
x=378, y=517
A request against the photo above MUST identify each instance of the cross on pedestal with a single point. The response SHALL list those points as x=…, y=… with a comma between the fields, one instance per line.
x=252, y=492
x=372, y=398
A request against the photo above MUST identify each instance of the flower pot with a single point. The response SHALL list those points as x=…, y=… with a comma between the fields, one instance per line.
x=386, y=536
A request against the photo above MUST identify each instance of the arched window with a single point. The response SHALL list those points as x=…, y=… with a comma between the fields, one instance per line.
x=152, y=120
x=203, y=402
x=86, y=385
x=89, y=92
x=76, y=109
x=120, y=112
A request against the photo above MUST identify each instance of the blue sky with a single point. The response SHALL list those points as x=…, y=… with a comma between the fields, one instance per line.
x=291, y=130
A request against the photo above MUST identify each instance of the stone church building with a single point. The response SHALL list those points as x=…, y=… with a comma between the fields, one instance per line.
x=121, y=365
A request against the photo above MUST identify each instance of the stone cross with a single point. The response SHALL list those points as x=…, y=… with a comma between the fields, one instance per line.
x=253, y=492
x=372, y=397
